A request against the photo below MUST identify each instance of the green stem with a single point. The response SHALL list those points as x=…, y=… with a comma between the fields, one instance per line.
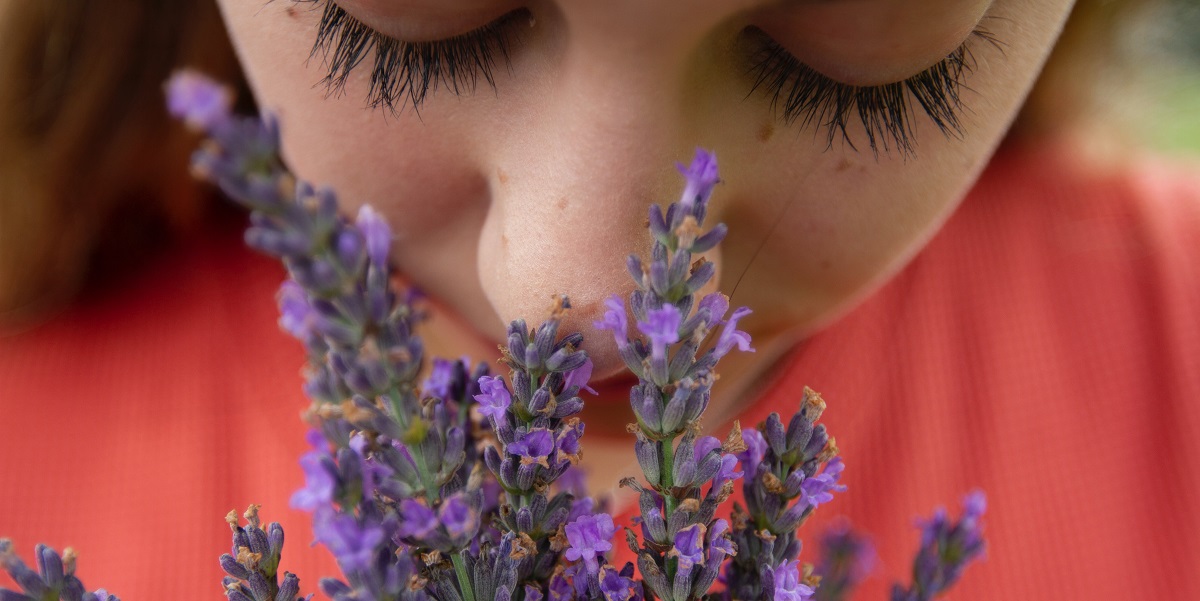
x=464, y=582
x=398, y=408
x=426, y=478
x=394, y=397
x=668, y=477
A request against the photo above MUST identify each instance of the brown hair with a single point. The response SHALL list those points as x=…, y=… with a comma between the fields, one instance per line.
x=91, y=167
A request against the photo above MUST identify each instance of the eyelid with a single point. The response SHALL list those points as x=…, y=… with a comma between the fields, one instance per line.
x=800, y=93
x=870, y=42
x=418, y=22
x=404, y=73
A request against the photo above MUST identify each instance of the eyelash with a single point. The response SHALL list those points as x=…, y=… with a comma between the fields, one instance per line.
x=406, y=72
x=801, y=94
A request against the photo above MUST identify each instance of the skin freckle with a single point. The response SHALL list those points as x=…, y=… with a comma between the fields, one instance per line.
x=766, y=131
x=562, y=203
x=843, y=165
x=501, y=176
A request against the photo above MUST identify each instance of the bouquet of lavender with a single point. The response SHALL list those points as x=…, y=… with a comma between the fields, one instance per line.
x=462, y=486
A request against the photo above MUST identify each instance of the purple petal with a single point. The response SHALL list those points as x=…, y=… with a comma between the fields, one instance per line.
x=200, y=102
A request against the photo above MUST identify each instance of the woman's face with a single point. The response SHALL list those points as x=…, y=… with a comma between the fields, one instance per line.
x=534, y=177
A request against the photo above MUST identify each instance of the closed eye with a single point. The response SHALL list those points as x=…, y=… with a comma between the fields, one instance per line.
x=406, y=73
x=800, y=94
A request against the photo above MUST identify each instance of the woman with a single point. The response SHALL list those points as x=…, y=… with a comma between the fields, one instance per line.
x=514, y=148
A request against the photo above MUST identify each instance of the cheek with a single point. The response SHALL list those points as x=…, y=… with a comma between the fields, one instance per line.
x=417, y=167
x=418, y=170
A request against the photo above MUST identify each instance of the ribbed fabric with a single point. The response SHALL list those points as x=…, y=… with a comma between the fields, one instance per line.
x=1045, y=347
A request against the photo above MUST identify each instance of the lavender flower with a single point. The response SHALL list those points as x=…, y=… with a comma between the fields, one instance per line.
x=701, y=177
x=787, y=583
x=320, y=481
x=947, y=548
x=539, y=436
x=616, y=587
x=416, y=520
x=689, y=546
x=364, y=359
x=615, y=320
x=252, y=567
x=535, y=447
x=688, y=477
x=55, y=578
x=579, y=377
x=781, y=487
x=417, y=500
x=494, y=397
x=458, y=518
x=819, y=488
x=296, y=315
x=589, y=538
x=731, y=336
x=662, y=327
x=846, y=558
x=377, y=233
x=353, y=541
x=200, y=102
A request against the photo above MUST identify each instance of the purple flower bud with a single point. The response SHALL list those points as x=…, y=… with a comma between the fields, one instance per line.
x=534, y=447
x=296, y=315
x=416, y=520
x=846, y=558
x=494, y=397
x=568, y=439
x=458, y=517
x=441, y=376
x=787, y=583
x=200, y=102
x=379, y=236
x=658, y=227
x=756, y=449
x=580, y=376
x=614, y=587
x=718, y=542
x=689, y=546
x=710, y=239
x=533, y=593
x=662, y=327
x=590, y=537
x=374, y=473
x=974, y=505
x=717, y=305
x=819, y=488
x=730, y=335
x=352, y=543
x=728, y=471
x=706, y=445
x=319, y=482
x=701, y=176
x=349, y=248
x=615, y=319
x=561, y=588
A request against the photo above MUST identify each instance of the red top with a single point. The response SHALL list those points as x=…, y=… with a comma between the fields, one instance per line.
x=1043, y=347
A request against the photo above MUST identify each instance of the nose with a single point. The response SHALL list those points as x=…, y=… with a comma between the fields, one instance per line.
x=571, y=184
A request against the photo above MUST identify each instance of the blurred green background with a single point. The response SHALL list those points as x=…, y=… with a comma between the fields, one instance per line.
x=1167, y=53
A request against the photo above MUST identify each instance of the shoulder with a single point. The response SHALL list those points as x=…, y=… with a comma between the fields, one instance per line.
x=1139, y=205
x=1052, y=221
